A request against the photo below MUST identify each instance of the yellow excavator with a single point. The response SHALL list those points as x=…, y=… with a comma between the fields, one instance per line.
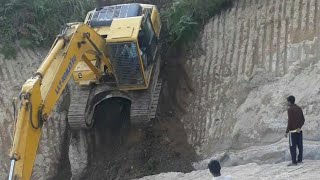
x=112, y=56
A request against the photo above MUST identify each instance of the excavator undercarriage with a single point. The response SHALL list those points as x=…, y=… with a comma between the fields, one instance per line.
x=143, y=103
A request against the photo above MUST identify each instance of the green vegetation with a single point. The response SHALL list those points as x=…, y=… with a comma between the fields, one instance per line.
x=185, y=18
x=34, y=23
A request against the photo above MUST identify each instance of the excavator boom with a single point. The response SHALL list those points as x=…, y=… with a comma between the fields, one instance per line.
x=40, y=93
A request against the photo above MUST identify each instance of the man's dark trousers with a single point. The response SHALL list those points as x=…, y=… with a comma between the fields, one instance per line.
x=295, y=140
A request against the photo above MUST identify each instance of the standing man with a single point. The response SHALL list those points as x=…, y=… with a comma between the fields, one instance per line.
x=295, y=123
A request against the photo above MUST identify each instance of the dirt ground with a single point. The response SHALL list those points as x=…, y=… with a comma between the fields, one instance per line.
x=154, y=148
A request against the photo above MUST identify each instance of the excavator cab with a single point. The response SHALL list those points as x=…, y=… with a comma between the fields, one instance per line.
x=132, y=51
x=131, y=32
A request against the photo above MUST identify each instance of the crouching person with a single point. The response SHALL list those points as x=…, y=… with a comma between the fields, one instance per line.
x=214, y=167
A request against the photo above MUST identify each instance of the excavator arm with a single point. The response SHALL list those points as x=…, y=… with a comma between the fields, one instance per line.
x=40, y=93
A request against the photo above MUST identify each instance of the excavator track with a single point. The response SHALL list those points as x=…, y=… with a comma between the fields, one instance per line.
x=142, y=110
x=77, y=109
x=155, y=99
x=144, y=102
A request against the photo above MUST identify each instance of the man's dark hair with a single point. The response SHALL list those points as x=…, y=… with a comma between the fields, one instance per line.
x=214, y=167
x=291, y=99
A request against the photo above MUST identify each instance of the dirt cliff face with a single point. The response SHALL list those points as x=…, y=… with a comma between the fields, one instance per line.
x=13, y=73
x=246, y=62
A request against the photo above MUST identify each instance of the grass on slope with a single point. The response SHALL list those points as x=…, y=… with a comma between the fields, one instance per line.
x=34, y=23
x=185, y=18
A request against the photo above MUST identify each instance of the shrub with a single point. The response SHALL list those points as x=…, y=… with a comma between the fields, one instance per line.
x=186, y=17
x=34, y=23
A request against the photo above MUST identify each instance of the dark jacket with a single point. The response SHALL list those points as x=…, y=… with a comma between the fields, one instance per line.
x=295, y=118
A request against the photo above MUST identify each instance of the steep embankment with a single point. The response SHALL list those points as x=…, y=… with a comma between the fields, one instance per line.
x=246, y=62
x=13, y=73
